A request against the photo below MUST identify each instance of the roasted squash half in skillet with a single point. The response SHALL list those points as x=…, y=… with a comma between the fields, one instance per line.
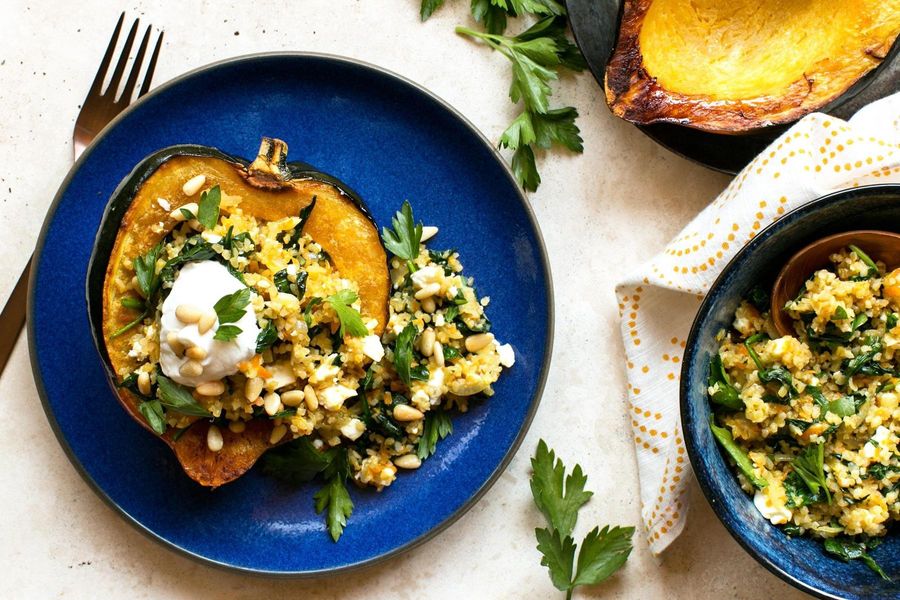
x=734, y=66
x=269, y=189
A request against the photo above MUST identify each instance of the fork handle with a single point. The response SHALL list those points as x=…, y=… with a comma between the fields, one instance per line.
x=13, y=317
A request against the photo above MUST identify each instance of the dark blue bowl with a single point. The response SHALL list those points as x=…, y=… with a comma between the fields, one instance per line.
x=388, y=139
x=800, y=562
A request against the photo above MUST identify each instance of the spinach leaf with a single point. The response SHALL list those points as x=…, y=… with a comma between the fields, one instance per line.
x=296, y=462
x=305, y=212
x=810, y=466
x=775, y=374
x=818, y=396
x=798, y=494
x=307, y=312
x=194, y=249
x=847, y=405
x=873, y=268
x=266, y=337
x=759, y=298
x=450, y=353
x=865, y=359
x=725, y=395
x=284, y=285
x=846, y=549
x=740, y=457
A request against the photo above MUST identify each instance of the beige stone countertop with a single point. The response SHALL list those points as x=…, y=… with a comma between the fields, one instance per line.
x=602, y=214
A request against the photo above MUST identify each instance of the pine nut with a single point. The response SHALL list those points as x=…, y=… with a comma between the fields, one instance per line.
x=438, y=354
x=191, y=369
x=193, y=185
x=206, y=322
x=211, y=388
x=237, y=426
x=476, y=342
x=174, y=343
x=428, y=232
x=188, y=313
x=253, y=388
x=195, y=353
x=426, y=342
x=428, y=305
x=312, y=400
x=293, y=397
x=143, y=382
x=408, y=461
x=405, y=412
x=277, y=433
x=428, y=290
x=191, y=207
x=272, y=403
x=214, y=439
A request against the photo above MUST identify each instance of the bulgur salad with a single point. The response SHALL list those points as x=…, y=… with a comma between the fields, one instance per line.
x=811, y=420
x=240, y=320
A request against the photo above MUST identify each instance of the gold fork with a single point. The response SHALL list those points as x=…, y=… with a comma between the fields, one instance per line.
x=99, y=108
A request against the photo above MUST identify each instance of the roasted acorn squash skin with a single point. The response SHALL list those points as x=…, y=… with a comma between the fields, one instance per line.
x=340, y=222
x=636, y=94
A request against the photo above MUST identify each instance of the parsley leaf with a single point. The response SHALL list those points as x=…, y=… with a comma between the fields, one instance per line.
x=351, y=321
x=603, y=551
x=403, y=352
x=334, y=496
x=145, y=271
x=437, y=426
x=491, y=16
x=153, y=412
x=231, y=307
x=558, y=501
x=208, y=213
x=428, y=7
x=403, y=241
x=557, y=554
x=226, y=333
x=178, y=398
x=524, y=168
x=810, y=466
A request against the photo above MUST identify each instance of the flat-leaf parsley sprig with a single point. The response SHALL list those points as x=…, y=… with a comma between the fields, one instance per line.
x=536, y=55
x=559, y=497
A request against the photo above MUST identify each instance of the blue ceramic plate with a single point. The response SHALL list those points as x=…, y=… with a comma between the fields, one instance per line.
x=388, y=139
x=801, y=562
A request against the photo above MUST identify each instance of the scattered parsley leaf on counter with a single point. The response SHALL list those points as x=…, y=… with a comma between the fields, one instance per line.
x=403, y=352
x=226, y=333
x=559, y=497
x=428, y=7
x=178, y=398
x=208, y=212
x=403, y=241
x=437, y=426
x=559, y=500
x=231, y=307
x=351, y=321
x=334, y=496
x=536, y=55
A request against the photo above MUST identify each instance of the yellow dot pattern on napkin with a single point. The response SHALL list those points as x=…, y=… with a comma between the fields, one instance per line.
x=818, y=155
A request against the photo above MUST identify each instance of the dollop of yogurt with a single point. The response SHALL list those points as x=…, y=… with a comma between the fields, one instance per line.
x=202, y=284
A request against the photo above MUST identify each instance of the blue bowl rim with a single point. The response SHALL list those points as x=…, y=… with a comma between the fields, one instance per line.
x=694, y=454
x=535, y=400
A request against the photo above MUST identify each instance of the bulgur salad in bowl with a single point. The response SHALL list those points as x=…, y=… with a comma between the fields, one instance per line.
x=738, y=306
x=244, y=319
x=811, y=420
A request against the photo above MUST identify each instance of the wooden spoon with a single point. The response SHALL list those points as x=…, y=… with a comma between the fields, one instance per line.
x=881, y=246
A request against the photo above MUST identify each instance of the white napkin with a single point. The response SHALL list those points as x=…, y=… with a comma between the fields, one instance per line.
x=818, y=155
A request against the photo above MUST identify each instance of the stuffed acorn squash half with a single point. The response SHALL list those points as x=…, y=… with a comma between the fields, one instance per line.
x=741, y=65
x=195, y=286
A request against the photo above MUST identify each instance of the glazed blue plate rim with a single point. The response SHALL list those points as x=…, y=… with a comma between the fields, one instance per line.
x=694, y=452
x=547, y=283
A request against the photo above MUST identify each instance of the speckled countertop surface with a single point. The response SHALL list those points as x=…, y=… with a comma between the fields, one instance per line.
x=601, y=214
